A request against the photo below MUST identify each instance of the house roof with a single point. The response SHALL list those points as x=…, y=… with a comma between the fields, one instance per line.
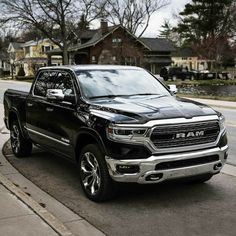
x=16, y=46
x=158, y=44
x=88, y=34
x=184, y=52
x=96, y=36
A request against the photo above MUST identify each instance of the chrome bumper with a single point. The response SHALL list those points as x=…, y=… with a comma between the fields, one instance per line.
x=147, y=166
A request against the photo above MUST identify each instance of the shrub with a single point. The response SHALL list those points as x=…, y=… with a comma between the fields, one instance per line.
x=21, y=71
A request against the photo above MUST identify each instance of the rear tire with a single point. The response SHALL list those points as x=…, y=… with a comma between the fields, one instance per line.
x=21, y=147
x=94, y=176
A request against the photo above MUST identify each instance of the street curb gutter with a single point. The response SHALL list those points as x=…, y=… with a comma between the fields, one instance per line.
x=50, y=219
x=229, y=170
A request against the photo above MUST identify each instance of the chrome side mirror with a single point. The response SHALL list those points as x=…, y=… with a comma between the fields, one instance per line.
x=173, y=88
x=55, y=94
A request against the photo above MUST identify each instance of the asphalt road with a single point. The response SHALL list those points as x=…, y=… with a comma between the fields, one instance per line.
x=4, y=85
x=178, y=209
x=230, y=116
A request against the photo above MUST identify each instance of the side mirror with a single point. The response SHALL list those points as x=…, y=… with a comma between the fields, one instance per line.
x=55, y=94
x=173, y=88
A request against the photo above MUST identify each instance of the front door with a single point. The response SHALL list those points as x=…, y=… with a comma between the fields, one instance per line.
x=52, y=123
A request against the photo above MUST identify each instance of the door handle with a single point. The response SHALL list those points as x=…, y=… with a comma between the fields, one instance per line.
x=49, y=109
x=29, y=104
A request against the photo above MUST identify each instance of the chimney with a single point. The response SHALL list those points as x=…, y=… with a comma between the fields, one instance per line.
x=104, y=26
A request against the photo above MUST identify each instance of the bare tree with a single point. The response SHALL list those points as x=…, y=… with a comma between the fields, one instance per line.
x=132, y=14
x=55, y=19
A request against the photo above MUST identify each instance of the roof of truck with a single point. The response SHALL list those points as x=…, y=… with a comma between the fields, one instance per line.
x=90, y=67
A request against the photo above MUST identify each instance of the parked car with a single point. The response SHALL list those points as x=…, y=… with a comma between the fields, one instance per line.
x=224, y=75
x=118, y=124
x=204, y=74
x=174, y=73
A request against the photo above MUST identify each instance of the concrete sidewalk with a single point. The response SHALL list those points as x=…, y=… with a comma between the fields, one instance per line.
x=17, y=219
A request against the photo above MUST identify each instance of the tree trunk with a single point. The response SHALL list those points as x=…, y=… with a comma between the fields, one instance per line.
x=65, y=59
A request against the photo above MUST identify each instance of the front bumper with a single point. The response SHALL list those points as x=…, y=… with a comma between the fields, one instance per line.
x=147, y=173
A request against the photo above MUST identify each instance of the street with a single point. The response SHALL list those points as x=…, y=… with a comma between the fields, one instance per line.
x=163, y=209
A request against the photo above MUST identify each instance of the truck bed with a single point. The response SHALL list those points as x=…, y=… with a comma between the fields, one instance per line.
x=15, y=100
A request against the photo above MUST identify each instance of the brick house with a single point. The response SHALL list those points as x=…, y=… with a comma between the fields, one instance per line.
x=116, y=45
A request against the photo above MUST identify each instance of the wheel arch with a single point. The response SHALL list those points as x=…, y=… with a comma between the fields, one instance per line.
x=88, y=136
x=13, y=115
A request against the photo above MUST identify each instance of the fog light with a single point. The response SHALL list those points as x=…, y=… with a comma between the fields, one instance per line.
x=217, y=166
x=154, y=177
x=127, y=169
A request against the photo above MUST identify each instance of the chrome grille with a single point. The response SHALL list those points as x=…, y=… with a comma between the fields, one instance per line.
x=166, y=136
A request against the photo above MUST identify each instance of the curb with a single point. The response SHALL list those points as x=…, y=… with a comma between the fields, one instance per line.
x=50, y=219
x=229, y=170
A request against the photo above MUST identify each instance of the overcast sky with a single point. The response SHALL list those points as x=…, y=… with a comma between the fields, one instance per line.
x=159, y=17
x=164, y=13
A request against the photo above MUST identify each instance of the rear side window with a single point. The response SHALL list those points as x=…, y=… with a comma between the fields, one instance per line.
x=53, y=80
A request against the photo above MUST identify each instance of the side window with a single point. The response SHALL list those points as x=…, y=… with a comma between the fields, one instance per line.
x=64, y=82
x=53, y=80
x=44, y=82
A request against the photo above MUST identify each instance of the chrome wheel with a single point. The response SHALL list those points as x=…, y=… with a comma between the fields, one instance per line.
x=90, y=173
x=15, y=138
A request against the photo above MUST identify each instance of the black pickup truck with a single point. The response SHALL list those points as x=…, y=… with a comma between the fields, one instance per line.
x=118, y=124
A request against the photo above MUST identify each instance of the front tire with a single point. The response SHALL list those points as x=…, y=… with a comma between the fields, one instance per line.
x=21, y=147
x=94, y=176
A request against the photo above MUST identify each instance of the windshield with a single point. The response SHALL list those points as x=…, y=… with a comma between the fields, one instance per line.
x=119, y=82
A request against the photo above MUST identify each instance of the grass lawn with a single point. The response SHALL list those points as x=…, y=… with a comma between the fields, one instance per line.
x=202, y=82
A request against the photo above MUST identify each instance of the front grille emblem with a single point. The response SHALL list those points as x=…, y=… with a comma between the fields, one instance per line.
x=189, y=134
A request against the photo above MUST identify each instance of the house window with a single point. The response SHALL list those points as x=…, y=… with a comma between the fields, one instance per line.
x=93, y=58
x=27, y=50
x=116, y=42
x=47, y=48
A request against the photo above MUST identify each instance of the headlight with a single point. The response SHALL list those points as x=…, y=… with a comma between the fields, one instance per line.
x=222, y=122
x=126, y=134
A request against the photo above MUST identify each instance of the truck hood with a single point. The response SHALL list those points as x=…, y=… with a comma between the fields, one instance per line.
x=141, y=109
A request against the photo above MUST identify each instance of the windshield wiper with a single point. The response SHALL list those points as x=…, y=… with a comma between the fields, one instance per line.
x=144, y=94
x=107, y=96
x=128, y=95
